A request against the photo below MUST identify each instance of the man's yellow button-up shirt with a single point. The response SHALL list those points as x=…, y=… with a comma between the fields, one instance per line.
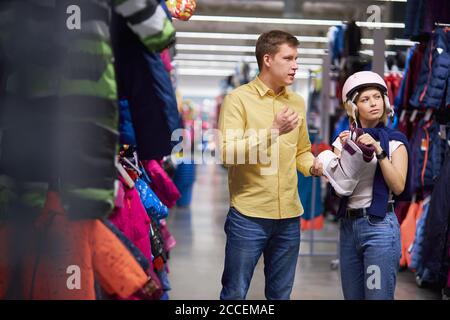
x=265, y=184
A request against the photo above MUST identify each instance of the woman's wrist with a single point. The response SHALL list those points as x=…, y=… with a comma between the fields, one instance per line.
x=378, y=149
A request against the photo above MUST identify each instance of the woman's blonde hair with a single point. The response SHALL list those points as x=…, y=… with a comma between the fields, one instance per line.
x=348, y=106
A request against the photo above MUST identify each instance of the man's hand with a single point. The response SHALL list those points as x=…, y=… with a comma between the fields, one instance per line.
x=317, y=168
x=285, y=121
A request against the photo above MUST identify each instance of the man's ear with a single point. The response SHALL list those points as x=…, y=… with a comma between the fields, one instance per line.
x=267, y=60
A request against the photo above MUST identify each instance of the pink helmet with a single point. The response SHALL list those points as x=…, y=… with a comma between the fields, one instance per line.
x=362, y=79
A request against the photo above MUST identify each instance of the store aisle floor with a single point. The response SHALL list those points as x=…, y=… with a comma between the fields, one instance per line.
x=196, y=262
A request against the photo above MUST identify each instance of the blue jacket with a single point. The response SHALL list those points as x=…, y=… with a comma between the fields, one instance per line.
x=145, y=83
x=427, y=162
x=419, y=239
x=433, y=79
x=436, y=231
x=399, y=99
x=126, y=130
x=414, y=18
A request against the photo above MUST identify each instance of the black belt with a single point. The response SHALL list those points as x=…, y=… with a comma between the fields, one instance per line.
x=358, y=213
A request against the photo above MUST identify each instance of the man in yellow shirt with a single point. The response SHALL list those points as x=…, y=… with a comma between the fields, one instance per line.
x=264, y=140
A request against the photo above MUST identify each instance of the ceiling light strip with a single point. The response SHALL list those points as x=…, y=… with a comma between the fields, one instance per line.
x=230, y=64
x=235, y=58
x=235, y=36
x=220, y=72
x=311, y=22
x=226, y=48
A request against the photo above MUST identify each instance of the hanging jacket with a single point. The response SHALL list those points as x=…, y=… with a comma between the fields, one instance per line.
x=399, y=102
x=169, y=240
x=61, y=107
x=408, y=231
x=422, y=14
x=126, y=129
x=149, y=20
x=435, y=11
x=414, y=71
x=161, y=184
x=419, y=239
x=154, y=207
x=62, y=248
x=447, y=98
x=393, y=82
x=437, y=222
x=336, y=37
x=135, y=251
x=143, y=80
x=401, y=209
x=428, y=154
x=132, y=220
x=352, y=39
x=433, y=78
x=414, y=18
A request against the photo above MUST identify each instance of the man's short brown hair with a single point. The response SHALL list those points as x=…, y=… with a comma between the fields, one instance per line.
x=269, y=42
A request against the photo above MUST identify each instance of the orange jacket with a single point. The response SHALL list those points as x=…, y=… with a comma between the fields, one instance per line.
x=408, y=231
x=66, y=251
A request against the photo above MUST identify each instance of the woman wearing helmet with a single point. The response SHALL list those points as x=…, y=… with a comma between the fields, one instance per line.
x=369, y=231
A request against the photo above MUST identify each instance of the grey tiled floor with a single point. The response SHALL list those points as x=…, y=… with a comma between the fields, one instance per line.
x=197, y=261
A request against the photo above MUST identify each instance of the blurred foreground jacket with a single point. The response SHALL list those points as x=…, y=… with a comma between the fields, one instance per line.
x=58, y=109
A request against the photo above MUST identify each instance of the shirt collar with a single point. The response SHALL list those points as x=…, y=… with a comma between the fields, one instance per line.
x=263, y=89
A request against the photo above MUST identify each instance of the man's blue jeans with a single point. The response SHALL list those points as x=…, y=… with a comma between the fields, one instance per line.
x=369, y=259
x=247, y=239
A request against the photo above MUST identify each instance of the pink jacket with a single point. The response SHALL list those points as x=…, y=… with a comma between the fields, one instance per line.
x=169, y=240
x=162, y=185
x=130, y=216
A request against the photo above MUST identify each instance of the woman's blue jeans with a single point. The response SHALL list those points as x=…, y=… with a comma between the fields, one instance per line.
x=369, y=259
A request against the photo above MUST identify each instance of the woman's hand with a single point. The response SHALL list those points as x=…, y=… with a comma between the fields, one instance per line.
x=343, y=136
x=368, y=140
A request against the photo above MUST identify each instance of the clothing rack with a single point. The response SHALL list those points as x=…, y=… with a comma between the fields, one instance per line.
x=438, y=24
x=323, y=133
x=312, y=239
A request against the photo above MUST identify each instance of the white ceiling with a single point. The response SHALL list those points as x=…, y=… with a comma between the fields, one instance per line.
x=223, y=32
